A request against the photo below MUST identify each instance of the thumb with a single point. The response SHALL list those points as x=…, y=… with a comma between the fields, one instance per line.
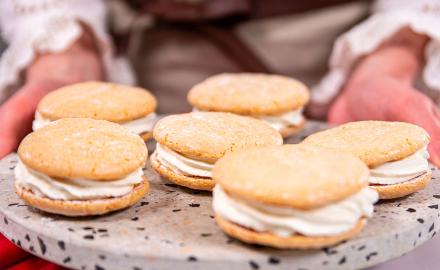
x=418, y=109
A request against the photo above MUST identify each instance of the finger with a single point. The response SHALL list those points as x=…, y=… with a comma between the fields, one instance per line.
x=418, y=109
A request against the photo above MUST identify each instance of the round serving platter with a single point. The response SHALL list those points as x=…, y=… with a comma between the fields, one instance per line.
x=174, y=227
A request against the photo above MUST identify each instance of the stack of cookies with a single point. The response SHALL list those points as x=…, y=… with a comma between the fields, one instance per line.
x=87, y=153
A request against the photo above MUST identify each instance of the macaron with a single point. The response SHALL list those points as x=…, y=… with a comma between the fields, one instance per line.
x=132, y=107
x=276, y=99
x=189, y=144
x=395, y=152
x=292, y=196
x=81, y=167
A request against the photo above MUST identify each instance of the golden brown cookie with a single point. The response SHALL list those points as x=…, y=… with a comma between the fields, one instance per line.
x=292, y=242
x=403, y=189
x=374, y=142
x=301, y=177
x=249, y=94
x=203, y=137
x=83, y=148
x=98, y=100
x=82, y=208
x=208, y=136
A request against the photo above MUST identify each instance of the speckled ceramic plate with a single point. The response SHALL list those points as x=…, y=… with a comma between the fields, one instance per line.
x=173, y=228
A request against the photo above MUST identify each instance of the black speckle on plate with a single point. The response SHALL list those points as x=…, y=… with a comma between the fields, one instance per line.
x=436, y=196
x=144, y=203
x=97, y=267
x=361, y=248
x=420, y=220
x=27, y=237
x=62, y=245
x=192, y=259
x=5, y=220
x=368, y=257
x=70, y=229
x=431, y=228
x=89, y=237
x=411, y=210
x=135, y=219
x=434, y=206
x=205, y=234
x=254, y=265
x=42, y=245
x=273, y=260
x=87, y=228
x=342, y=260
x=67, y=259
x=177, y=210
x=12, y=204
x=194, y=204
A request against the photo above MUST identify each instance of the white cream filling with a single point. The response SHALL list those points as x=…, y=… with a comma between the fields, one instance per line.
x=281, y=121
x=180, y=163
x=329, y=220
x=401, y=170
x=137, y=126
x=75, y=189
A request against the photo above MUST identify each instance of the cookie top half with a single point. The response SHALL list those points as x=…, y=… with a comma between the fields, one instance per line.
x=83, y=148
x=374, y=142
x=208, y=136
x=249, y=94
x=300, y=177
x=97, y=100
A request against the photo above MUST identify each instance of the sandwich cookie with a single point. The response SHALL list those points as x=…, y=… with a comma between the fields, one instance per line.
x=81, y=167
x=395, y=152
x=189, y=144
x=292, y=196
x=132, y=107
x=275, y=99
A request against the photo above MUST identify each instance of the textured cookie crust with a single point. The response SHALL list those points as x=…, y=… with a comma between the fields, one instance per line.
x=403, y=189
x=208, y=136
x=192, y=182
x=249, y=94
x=83, y=208
x=98, y=100
x=375, y=142
x=83, y=148
x=296, y=241
x=291, y=175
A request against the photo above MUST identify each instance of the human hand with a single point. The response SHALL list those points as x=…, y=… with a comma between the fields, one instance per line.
x=381, y=88
x=80, y=62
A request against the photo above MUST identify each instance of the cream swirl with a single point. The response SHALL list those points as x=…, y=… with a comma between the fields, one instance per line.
x=401, y=170
x=75, y=189
x=137, y=126
x=180, y=163
x=329, y=220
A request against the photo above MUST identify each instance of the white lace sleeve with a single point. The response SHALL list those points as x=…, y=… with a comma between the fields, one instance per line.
x=41, y=26
x=422, y=16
